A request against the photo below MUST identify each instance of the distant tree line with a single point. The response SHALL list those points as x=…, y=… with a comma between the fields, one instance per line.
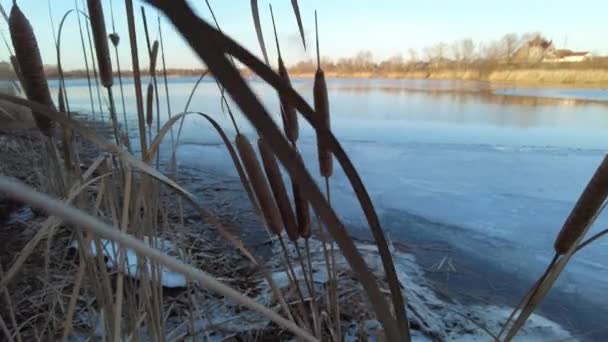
x=505, y=52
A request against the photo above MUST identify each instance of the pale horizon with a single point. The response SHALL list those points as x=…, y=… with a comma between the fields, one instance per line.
x=386, y=28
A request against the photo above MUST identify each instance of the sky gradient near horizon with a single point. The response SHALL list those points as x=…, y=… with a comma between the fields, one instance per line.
x=384, y=27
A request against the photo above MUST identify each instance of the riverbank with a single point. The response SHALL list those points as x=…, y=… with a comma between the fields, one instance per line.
x=431, y=315
x=590, y=78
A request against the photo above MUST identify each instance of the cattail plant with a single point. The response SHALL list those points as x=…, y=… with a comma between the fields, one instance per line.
x=321, y=102
x=261, y=189
x=104, y=62
x=584, y=211
x=270, y=209
x=29, y=63
x=277, y=186
x=288, y=111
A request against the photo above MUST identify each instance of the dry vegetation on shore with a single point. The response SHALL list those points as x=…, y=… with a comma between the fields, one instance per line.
x=101, y=243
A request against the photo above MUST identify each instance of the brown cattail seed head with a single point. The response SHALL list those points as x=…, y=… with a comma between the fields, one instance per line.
x=302, y=213
x=153, y=57
x=322, y=108
x=289, y=114
x=259, y=184
x=114, y=38
x=29, y=66
x=277, y=186
x=149, y=104
x=98, y=27
x=586, y=207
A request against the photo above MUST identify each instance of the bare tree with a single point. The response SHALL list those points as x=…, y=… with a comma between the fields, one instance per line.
x=509, y=45
x=456, y=51
x=467, y=50
x=413, y=55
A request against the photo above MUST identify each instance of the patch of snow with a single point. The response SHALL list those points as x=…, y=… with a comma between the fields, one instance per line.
x=112, y=255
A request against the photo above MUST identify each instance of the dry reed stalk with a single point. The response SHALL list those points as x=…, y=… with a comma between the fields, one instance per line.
x=11, y=309
x=30, y=64
x=136, y=76
x=288, y=111
x=278, y=189
x=101, y=43
x=193, y=28
x=85, y=221
x=586, y=207
x=260, y=187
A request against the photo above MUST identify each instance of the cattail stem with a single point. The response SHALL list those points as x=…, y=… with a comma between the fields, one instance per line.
x=589, y=203
x=334, y=276
x=86, y=59
x=167, y=97
x=295, y=281
x=224, y=101
x=113, y=115
x=288, y=111
x=115, y=39
x=309, y=285
x=153, y=54
x=94, y=67
x=136, y=76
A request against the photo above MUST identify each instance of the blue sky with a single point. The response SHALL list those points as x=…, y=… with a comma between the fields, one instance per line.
x=385, y=27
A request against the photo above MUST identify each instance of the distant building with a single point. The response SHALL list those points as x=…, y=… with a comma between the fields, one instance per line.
x=534, y=51
x=539, y=50
x=560, y=56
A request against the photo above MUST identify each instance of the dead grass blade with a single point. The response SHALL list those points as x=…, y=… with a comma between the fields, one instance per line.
x=80, y=219
x=296, y=11
x=255, y=13
x=211, y=50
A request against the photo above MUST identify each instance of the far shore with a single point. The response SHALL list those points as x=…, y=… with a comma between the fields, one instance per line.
x=584, y=78
x=592, y=78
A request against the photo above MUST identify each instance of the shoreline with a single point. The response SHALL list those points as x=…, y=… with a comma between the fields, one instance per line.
x=583, y=78
x=542, y=78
